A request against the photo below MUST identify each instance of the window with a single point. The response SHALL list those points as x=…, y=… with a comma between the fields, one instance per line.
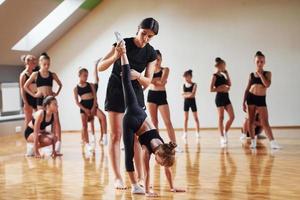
x=47, y=25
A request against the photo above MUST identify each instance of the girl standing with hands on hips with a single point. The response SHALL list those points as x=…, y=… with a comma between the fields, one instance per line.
x=142, y=58
x=255, y=100
x=221, y=84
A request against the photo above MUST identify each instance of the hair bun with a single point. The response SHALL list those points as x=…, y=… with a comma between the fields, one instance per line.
x=44, y=54
x=259, y=53
x=191, y=71
x=218, y=59
x=172, y=145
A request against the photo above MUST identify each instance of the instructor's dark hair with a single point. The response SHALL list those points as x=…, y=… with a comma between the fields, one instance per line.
x=158, y=52
x=48, y=100
x=150, y=23
x=188, y=73
x=219, y=61
x=259, y=54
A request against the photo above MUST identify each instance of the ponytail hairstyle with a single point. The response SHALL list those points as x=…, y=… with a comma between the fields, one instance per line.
x=166, y=152
x=259, y=54
x=219, y=61
x=149, y=23
x=188, y=73
x=47, y=101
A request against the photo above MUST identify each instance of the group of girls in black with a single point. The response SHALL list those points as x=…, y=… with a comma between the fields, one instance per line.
x=254, y=102
x=137, y=66
x=40, y=105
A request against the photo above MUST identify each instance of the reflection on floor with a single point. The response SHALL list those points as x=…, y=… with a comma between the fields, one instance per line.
x=204, y=169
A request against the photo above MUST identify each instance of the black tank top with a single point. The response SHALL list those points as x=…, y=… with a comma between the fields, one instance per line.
x=44, y=123
x=145, y=139
x=220, y=80
x=256, y=80
x=84, y=90
x=27, y=77
x=188, y=89
x=158, y=74
x=41, y=81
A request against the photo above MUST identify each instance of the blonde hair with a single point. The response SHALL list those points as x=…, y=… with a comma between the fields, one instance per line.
x=167, y=153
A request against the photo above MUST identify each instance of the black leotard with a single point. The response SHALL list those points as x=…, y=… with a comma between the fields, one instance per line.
x=133, y=119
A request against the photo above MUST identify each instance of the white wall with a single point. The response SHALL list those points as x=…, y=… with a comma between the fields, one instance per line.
x=192, y=34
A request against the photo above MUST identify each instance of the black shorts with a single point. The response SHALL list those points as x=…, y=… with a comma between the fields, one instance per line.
x=222, y=99
x=39, y=101
x=190, y=103
x=157, y=97
x=31, y=100
x=259, y=101
x=114, y=100
x=27, y=132
x=88, y=104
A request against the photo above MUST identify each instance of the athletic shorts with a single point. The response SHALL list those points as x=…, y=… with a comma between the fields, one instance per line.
x=259, y=101
x=157, y=97
x=222, y=99
x=190, y=103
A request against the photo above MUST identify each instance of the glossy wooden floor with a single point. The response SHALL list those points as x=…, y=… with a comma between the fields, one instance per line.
x=204, y=169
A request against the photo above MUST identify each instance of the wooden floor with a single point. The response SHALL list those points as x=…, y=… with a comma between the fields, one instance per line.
x=204, y=169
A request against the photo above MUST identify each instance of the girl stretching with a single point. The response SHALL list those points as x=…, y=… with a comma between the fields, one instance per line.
x=135, y=121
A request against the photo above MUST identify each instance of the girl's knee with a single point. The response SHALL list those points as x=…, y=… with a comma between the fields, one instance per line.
x=115, y=137
x=221, y=117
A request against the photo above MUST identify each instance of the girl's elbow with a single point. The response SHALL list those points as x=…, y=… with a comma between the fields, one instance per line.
x=100, y=67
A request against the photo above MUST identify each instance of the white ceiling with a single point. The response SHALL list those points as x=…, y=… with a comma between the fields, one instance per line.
x=18, y=17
